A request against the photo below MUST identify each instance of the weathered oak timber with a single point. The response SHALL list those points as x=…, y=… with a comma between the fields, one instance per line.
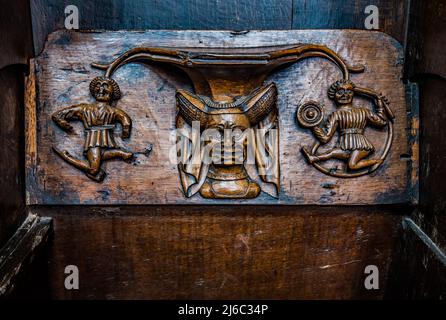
x=18, y=253
x=221, y=252
x=63, y=73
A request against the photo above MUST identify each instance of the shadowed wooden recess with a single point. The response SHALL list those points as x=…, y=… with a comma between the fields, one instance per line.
x=63, y=73
x=221, y=252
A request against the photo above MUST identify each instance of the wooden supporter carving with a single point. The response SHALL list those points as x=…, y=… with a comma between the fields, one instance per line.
x=228, y=82
x=351, y=121
x=99, y=121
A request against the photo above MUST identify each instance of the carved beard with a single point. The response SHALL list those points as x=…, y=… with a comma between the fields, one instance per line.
x=260, y=110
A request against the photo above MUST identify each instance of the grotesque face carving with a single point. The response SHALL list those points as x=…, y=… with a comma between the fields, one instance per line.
x=225, y=124
x=231, y=136
x=230, y=140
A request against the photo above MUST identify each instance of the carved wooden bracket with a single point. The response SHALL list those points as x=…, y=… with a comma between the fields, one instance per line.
x=228, y=95
x=228, y=128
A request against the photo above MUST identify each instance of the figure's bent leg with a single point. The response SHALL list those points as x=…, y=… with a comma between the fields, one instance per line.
x=78, y=163
x=335, y=153
x=116, y=153
x=94, y=158
x=96, y=174
x=356, y=161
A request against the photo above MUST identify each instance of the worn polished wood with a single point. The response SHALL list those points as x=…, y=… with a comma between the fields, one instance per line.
x=220, y=252
x=149, y=97
x=12, y=176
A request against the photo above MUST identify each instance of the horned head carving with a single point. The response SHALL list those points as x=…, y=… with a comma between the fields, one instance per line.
x=255, y=106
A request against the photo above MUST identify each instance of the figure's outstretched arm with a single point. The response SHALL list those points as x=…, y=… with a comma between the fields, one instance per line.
x=381, y=100
x=325, y=133
x=125, y=121
x=62, y=117
x=377, y=118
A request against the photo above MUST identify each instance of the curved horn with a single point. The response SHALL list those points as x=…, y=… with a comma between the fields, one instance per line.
x=190, y=107
x=262, y=102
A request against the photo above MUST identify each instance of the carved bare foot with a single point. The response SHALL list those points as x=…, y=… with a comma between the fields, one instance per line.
x=127, y=155
x=64, y=154
x=99, y=177
x=311, y=158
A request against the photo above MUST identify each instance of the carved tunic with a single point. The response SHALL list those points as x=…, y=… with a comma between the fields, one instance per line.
x=351, y=123
x=99, y=123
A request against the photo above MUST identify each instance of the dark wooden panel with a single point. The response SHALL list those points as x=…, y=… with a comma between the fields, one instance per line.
x=63, y=73
x=16, y=44
x=426, y=64
x=19, y=252
x=48, y=15
x=220, y=252
x=338, y=14
x=426, y=39
x=15, y=48
x=419, y=274
x=432, y=213
x=415, y=272
x=12, y=177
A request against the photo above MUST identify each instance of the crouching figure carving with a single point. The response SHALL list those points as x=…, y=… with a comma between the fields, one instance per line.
x=350, y=121
x=99, y=121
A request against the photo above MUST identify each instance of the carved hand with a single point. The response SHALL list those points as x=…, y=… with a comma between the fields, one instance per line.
x=382, y=98
x=63, y=124
x=125, y=132
x=383, y=103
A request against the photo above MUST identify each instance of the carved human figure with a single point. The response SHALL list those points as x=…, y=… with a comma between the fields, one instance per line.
x=352, y=146
x=99, y=121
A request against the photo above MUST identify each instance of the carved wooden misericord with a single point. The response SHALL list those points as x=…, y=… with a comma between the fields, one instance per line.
x=232, y=130
x=230, y=97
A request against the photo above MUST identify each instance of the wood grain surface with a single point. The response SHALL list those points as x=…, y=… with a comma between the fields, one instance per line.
x=63, y=74
x=17, y=255
x=48, y=15
x=12, y=141
x=220, y=252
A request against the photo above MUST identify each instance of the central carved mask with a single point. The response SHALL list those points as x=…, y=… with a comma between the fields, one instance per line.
x=229, y=149
x=228, y=129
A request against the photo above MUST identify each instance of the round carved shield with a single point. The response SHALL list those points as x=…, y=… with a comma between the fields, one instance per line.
x=309, y=114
